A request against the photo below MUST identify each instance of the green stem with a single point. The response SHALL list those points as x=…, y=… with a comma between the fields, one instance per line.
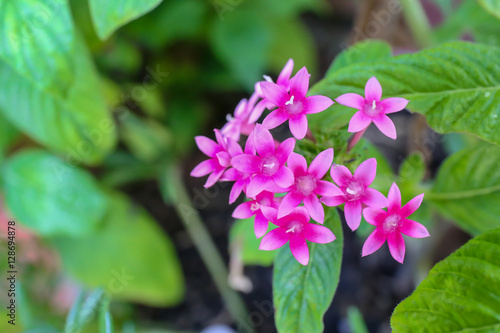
x=173, y=191
x=417, y=21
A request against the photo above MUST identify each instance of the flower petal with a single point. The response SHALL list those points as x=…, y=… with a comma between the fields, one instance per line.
x=373, y=242
x=274, y=239
x=321, y=164
x=206, y=145
x=233, y=147
x=366, y=171
x=396, y=246
x=411, y=206
x=257, y=112
x=274, y=119
x=236, y=190
x=213, y=178
x=386, y=126
x=318, y=234
x=333, y=201
x=351, y=100
x=257, y=185
x=203, y=169
x=223, y=158
x=393, y=104
x=247, y=163
x=244, y=210
x=315, y=104
x=220, y=139
x=373, y=90
x=374, y=198
x=274, y=93
x=285, y=149
x=284, y=77
x=297, y=163
x=263, y=140
x=289, y=202
x=283, y=177
x=270, y=213
x=359, y=122
x=299, y=84
x=374, y=216
x=260, y=225
x=341, y=175
x=315, y=208
x=298, y=126
x=352, y=212
x=413, y=229
x=250, y=145
x=327, y=189
x=300, y=251
x=394, y=199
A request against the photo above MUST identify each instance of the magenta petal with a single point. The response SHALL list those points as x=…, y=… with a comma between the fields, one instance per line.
x=274, y=93
x=373, y=242
x=284, y=77
x=373, y=90
x=223, y=158
x=236, y=190
x=394, y=199
x=213, y=178
x=220, y=139
x=203, y=169
x=285, y=149
x=327, y=189
x=396, y=246
x=257, y=185
x=263, y=140
x=321, y=164
x=341, y=175
x=270, y=213
x=393, y=104
x=249, y=145
x=289, y=202
x=352, y=212
x=244, y=210
x=386, y=126
x=274, y=119
x=283, y=177
x=257, y=112
x=366, y=171
x=298, y=126
x=411, y=206
x=413, y=229
x=333, y=201
x=233, y=147
x=299, y=84
x=274, y=239
x=315, y=208
x=315, y=104
x=247, y=163
x=260, y=225
x=374, y=216
x=318, y=234
x=359, y=122
x=374, y=198
x=300, y=251
x=351, y=100
x=207, y=146
x=297, y=163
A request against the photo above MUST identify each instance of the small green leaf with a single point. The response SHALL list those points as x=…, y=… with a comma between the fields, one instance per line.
x=461, y=293
x=130, y=256
x=51, y=196
x=105, y=319
x=111, y=15
x=302, y=294
x=491, y=6
x=356, y=321
x=72, y=318
x=467, y=188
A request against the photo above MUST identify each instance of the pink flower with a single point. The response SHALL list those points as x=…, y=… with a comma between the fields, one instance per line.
x=269, y=165
x=293, y=105
x=356, y=192
x=308, y=185
x=253, y=207
x=220, y=158
x=372, y=109
x=243, y=122
x=283, y=81
x=295, y=228
x=392, y=223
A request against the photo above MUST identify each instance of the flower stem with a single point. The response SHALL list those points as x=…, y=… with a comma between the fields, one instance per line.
x=355, y=139
x=417, y=21
x=174, y=191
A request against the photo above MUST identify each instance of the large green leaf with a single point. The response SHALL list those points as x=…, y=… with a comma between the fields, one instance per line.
x=49, y=88
x=456, y=86
x=130, y=256
x=51, y=196
x=461, y=293
x=491, y=6
x=111, y=14
x=467, y=188
x=302, y=294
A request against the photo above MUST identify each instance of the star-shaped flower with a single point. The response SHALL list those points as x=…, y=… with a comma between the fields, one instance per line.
x=253, y=207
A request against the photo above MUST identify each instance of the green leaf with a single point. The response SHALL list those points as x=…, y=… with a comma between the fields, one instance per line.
x=461, y=293
x=105, y=319
x=72, y=318
x=51, y=196
x=455, y=86
x=111, y=15
x=130, y=256
x=49, y=85
x=302, y=294
x=491, y=6
x=467, y=188
x=356, y=321
x=8, y=134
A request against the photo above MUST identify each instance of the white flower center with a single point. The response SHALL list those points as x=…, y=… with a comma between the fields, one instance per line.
x=290, y=102
x=374, y=105
x=270, y=165
x=391, y=222
x=305, y=184
x=254, y=207
x=294, y=227
x=354, y=191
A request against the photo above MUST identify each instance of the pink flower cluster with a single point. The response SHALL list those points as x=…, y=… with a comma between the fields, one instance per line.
x=287, y=192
